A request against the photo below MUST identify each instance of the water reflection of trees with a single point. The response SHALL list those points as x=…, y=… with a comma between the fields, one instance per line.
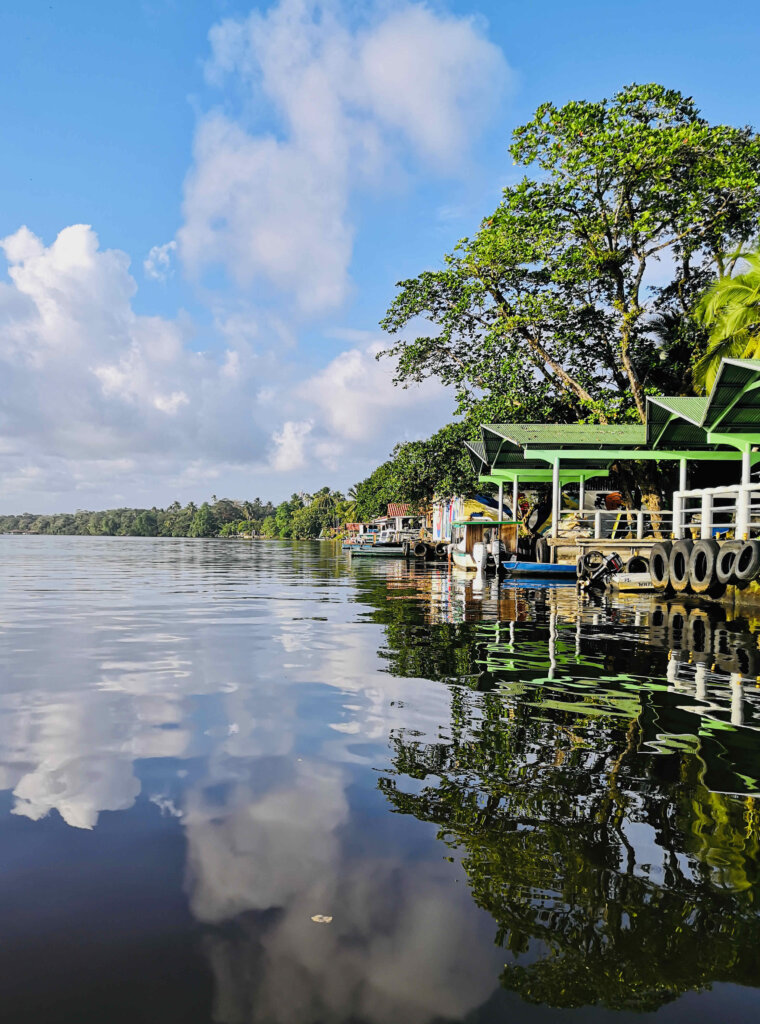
x=574, y=789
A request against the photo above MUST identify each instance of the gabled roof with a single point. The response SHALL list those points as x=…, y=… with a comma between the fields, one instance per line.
x=733, y=407
x=676, y=422
x=394, y=509
x=734, y=403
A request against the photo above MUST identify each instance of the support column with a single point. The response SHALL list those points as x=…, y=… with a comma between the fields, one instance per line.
x=515, y=498
x=682, y=481
x=501, y=503
x=581, y=495
x=555, y=506
x=747, y=466
x=744, y=497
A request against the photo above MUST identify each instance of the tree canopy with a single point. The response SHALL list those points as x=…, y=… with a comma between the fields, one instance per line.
x=574, y=299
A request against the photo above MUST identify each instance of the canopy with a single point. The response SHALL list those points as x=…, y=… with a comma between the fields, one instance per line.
x=730, y=416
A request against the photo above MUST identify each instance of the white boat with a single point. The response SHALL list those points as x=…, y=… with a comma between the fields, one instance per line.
x=481, y=544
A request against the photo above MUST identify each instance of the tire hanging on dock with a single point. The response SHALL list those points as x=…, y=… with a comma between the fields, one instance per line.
x=702, y=562
x=543, y=551
x=678, y=565
x=724, y=564
x=637, y=563
x=659, y=565
x=747, y=564
x=420, y=549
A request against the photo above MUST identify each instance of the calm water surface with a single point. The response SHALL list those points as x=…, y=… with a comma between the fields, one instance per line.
x=513, y=805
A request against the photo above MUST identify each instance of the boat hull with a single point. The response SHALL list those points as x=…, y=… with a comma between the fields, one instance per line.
x=540, y=569
x=378, y=551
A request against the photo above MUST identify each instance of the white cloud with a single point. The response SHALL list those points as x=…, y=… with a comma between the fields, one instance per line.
x=357, y=414
x=87, y=382
x=354, y=104
x=290, y=445
x=158, y=262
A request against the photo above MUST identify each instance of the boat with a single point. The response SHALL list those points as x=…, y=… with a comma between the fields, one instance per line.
x=482, y=543
x=378, y=544
x=560, y=570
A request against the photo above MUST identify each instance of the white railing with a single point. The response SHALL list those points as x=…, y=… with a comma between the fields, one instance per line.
x=733, y=510
x=618, y=524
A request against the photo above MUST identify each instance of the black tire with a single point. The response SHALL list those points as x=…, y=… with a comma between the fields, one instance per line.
x=659, y=565
x=543, y=551
x=637, y=563
x=747, y=564
x=440, y=549
x=678, y=564
x=420, y=549
x=579, y=567
x=701, y=571
x=724, y=564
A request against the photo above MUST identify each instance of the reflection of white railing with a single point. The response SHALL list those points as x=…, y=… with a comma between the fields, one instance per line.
x=619, y=524
x=716, y=510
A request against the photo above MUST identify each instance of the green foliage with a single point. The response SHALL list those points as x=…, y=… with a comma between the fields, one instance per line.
x=307, y=516
x=223, y=517
x=204, y=522
x=731, y=311
x=548, y=306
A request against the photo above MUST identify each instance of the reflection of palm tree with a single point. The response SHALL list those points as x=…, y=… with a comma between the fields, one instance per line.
x=731, y=309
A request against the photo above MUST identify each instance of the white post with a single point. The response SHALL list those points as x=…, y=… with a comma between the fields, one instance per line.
x=515, y=498
x=678, y=516
x=639, y=525
x=501, y=501
x=597, y=526
x=682, y=476
x=555, y=507
x=747, y=466
x=744, y=497
x=707, y=516
x=582, y=493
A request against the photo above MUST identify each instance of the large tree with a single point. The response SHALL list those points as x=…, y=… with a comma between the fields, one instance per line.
x=574, y=297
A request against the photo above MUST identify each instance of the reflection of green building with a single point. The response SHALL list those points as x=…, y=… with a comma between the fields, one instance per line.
x=577, y=788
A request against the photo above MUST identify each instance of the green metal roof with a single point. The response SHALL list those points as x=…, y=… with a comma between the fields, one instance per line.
x=734, y=403
x=568, y=435
x=675, y=422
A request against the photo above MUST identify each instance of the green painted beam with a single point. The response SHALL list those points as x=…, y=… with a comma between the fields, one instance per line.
x=553, y=455
x=537, y=476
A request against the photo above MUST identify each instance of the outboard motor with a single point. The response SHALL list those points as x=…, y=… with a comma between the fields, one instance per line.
x=609, y=566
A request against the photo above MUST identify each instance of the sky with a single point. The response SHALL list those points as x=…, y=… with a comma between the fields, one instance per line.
x=206, y=205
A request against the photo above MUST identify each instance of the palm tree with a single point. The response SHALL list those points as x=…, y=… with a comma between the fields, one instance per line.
x=731, y=310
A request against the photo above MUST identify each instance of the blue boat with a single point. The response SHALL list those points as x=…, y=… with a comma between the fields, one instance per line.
x=540, y=570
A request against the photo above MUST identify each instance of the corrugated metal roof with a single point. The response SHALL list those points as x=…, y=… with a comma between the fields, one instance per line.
x=730, y=411
x=569, y=435
x=692, y=409
x=674, y=422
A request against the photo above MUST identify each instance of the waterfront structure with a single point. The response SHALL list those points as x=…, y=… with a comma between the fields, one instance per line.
x=724, y=427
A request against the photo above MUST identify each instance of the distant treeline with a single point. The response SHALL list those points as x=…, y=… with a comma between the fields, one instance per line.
x=303, y=516
x=221, y=517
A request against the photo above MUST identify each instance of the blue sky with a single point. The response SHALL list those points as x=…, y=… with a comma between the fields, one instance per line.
x=285, y=163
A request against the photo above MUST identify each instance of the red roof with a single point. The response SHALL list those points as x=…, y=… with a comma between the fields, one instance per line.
x=398, y=510
x=353, y=527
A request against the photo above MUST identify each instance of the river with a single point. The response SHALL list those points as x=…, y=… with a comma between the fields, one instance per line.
x=252, y=782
